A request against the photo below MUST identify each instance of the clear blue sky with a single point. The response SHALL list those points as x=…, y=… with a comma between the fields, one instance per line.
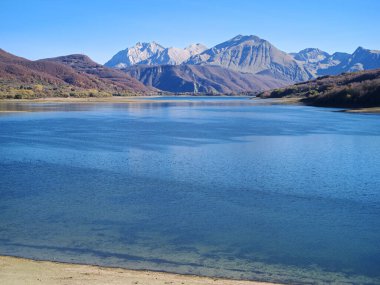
x=41, y=28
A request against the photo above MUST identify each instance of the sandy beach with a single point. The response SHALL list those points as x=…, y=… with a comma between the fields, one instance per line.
x=20, y=271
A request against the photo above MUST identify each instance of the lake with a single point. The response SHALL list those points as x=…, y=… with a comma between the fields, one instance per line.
x=227, y=187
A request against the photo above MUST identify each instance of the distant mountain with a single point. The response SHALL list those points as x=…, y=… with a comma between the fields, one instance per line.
x=311, y=55
x=201, y=78
x=134, y=55
x=319, y=63
x=16, y=71
x=173, y=56
x=251, y=54
x=153, y=54
x=347, y=90
x=195, y=49
x=363, y=59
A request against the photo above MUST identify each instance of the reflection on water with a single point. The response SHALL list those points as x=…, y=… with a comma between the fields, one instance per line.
x=135, y=103
x=215, y=187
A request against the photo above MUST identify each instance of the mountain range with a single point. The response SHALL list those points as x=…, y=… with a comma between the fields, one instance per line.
x=242, y=55
x=240, y=65
x=319, y=63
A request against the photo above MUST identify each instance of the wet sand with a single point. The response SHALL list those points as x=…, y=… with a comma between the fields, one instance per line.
x=20, y=271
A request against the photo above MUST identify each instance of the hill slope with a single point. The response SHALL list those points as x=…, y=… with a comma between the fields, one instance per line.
x=82, y=64
x=350, y=90
x=55, y=78
x=21, y=70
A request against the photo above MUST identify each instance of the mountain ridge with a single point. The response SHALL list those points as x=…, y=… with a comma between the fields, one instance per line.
x=252, y=54
x=338, y=62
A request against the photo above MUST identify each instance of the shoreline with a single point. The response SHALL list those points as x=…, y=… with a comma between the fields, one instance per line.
x=126, y=100
x=18, y=270
x=152, y=99
x=113, y=98
x=369, y=110
x=298, y=101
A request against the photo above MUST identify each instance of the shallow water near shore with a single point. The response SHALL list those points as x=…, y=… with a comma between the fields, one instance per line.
x=219, y=187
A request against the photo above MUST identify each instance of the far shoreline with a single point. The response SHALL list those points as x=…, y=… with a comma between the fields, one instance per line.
x=113, y=99
x=17, y=270
x=151, y=99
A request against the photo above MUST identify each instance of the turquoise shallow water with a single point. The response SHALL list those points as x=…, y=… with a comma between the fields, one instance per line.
x=230, y=188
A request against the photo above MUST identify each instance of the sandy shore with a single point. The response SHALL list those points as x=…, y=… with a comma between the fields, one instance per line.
x=280, y=101
x=20, y=271
x=364, y=110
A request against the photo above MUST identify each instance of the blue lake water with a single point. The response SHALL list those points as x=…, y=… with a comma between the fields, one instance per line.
x=233, y=188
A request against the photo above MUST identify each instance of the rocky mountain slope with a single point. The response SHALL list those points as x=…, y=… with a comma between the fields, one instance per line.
x=201, y=78
x=251, y=54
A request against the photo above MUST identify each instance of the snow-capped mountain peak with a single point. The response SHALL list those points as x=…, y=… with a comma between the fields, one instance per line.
x=153, y=54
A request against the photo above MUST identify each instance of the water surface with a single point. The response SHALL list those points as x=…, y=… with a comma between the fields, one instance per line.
x=230, y=188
